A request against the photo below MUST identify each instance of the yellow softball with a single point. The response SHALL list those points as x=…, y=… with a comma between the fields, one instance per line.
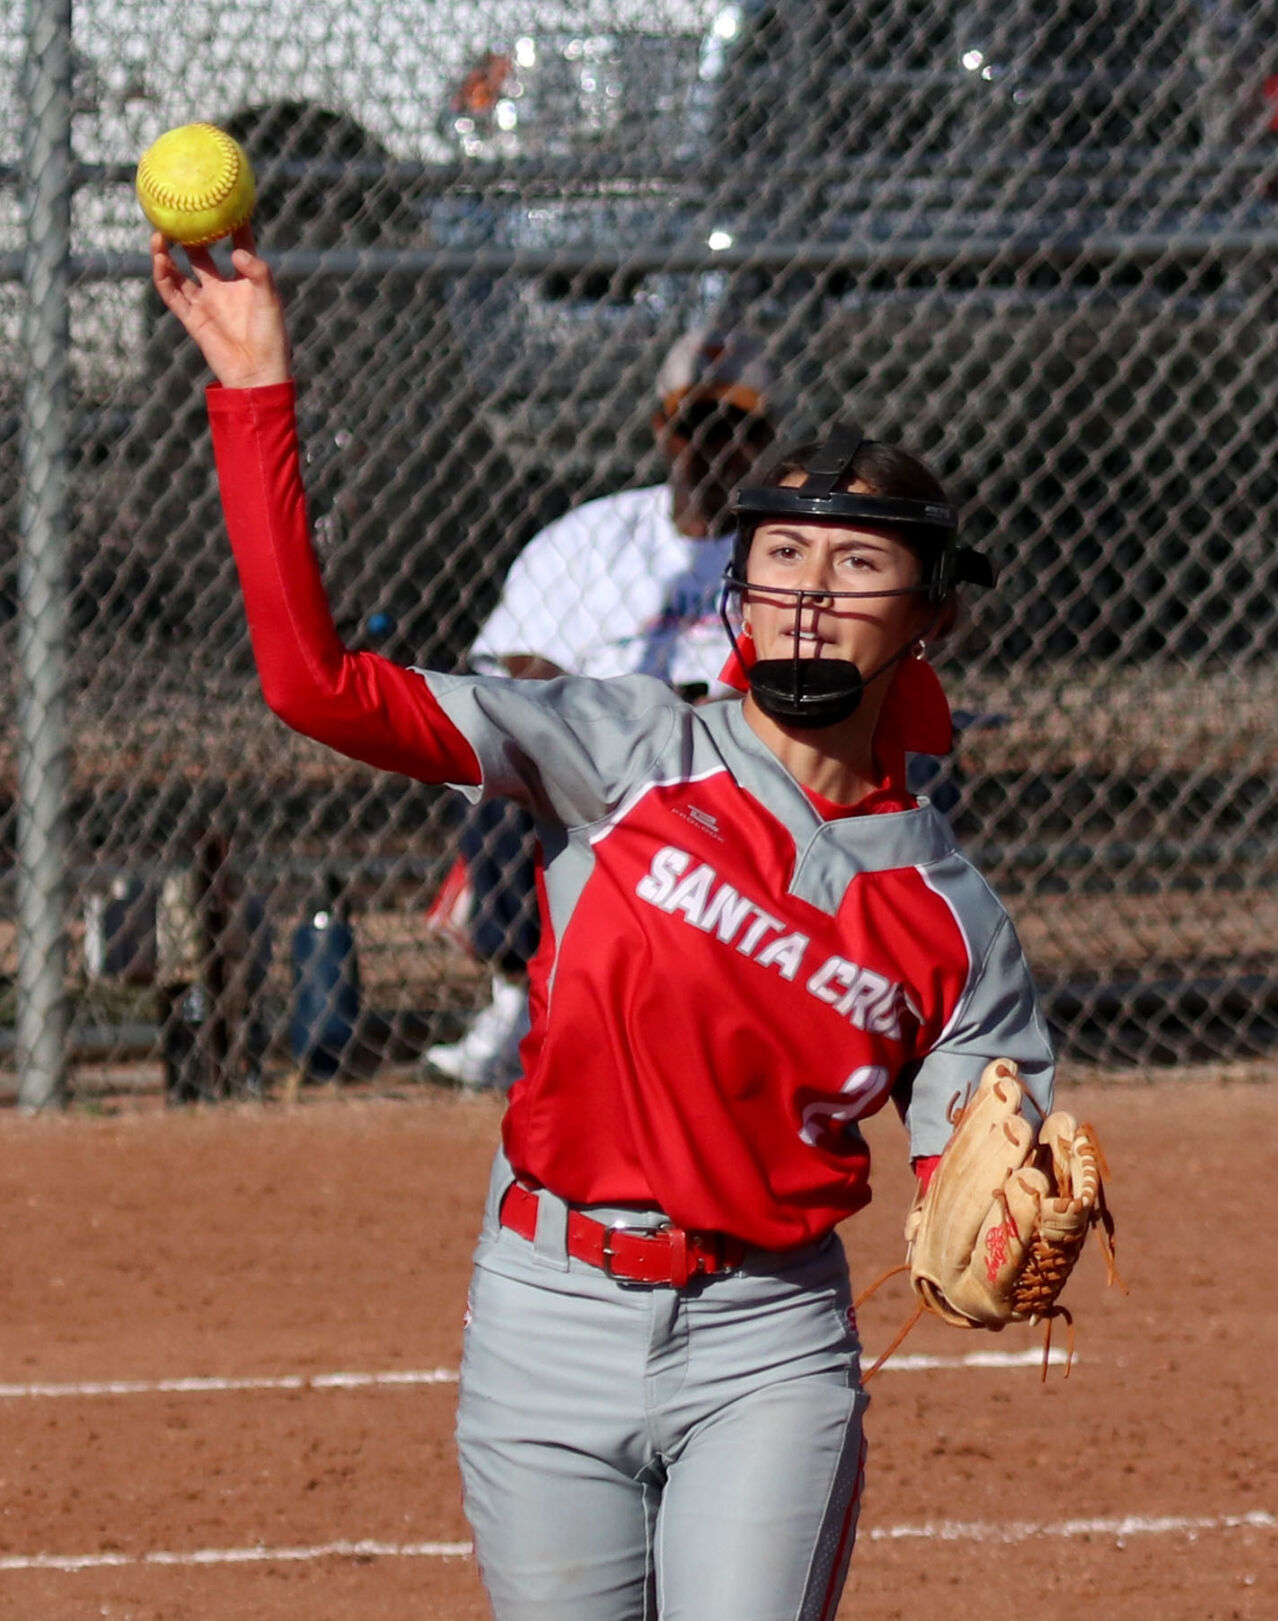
x=195, y=184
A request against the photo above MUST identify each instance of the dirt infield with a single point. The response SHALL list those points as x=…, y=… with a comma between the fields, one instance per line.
x=264, y=1249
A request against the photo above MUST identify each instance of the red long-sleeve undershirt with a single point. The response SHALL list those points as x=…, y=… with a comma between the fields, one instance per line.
x=360, y=704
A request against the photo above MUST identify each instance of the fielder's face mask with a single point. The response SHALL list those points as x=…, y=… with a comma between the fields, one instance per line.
x=815, y=693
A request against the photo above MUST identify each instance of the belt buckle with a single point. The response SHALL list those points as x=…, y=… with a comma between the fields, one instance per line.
x=640, y=1230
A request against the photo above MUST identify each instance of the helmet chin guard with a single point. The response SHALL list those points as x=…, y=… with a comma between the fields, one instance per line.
x=812, y=693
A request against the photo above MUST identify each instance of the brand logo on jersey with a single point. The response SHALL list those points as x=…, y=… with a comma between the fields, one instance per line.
x=700, y=819
x=867, y=999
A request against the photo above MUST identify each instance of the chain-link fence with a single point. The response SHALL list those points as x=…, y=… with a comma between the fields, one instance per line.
x=1035, y=242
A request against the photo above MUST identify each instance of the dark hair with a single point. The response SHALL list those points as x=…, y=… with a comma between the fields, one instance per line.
x=879, y=468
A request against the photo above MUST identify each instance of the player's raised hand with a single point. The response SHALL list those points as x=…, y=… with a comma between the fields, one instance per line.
x=237, y=321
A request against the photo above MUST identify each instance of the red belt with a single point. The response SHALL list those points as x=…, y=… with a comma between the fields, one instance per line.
x=662, y=1255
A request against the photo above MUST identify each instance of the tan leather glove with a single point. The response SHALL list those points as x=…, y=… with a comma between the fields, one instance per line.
x=1005, y=1216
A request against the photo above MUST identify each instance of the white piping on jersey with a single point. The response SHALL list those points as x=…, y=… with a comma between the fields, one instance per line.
x=608, y=823
x=961, y=999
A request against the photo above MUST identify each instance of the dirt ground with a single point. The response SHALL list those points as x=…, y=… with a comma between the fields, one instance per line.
x=264, y=1247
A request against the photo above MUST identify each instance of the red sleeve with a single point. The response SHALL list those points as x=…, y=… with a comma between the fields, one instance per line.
x=358, y=703
x=924, y=1169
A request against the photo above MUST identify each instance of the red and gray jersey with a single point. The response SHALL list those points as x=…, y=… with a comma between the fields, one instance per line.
x=727, y=982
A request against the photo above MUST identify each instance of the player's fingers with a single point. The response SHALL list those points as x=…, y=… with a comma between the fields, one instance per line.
x=168, y=279
x=201, y=262
x=251, y=267
x=161, y=259
x=243, y=240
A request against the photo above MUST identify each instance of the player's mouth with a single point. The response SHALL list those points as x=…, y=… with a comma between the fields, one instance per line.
x=807, y=643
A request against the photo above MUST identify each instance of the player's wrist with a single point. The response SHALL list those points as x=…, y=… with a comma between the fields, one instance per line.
x=259, y=377
x=222, y=400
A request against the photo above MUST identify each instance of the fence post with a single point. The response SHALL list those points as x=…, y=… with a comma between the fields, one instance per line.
x=42, y=722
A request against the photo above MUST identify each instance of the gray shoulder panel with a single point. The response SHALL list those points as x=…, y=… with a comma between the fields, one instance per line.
x=570, y=749
x=997, y=1016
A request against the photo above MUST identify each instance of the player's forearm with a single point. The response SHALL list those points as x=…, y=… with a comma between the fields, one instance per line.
x=358, y=703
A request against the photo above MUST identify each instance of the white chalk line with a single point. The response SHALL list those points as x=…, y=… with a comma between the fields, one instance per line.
x=201, y=1386
x=1129, y=1525
x=921, y=1362
x=941, y=1531
x=367, y=1549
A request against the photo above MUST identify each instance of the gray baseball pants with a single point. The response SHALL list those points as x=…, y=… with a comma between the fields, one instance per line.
x=631, y=1452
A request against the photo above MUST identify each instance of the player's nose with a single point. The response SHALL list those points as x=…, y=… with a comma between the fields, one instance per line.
x=817, y=579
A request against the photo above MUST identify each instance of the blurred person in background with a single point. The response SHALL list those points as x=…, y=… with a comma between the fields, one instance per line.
x=624, y=585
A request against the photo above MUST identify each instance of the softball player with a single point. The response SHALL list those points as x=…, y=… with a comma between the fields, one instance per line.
x=752, y=938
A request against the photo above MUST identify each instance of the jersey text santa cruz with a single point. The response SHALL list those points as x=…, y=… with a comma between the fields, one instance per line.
x=727, y=982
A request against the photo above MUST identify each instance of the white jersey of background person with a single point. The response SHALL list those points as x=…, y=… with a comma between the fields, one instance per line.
x=613, y=588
